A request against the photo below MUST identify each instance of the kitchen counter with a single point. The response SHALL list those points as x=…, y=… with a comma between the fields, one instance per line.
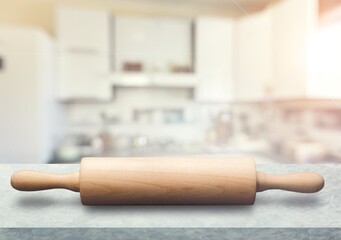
x=273, y=212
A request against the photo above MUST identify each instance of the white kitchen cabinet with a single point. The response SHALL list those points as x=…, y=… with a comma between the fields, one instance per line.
x=324, y=72
x=175, y=38
x=272, y=52
x=253, y=57
x=155, y=42
x=214, y=59
x=293, y=25
x=83, y=77
x=83, y=57
x=82, y=30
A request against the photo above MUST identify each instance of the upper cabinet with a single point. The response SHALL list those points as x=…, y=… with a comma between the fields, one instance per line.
x=273, y=52
x=214, y=59
x=84, y=63
x=153, y=44
x=253, y=57
x=82, y=30
x=294, y=23
x=276, y=53
x=98, y=50
x=325, y=53
x=324, y=63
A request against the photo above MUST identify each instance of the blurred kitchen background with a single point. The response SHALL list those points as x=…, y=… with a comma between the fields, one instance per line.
x=161, y=77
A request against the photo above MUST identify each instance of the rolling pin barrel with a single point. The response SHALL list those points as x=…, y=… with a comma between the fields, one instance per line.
x=168, y=181
x=104, y=181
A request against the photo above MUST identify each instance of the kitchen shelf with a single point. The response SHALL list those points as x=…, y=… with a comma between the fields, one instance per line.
x=178, y=80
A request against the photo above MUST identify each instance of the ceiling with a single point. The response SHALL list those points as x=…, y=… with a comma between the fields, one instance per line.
x=233, y=7
x=242, y=5
x=233, y=3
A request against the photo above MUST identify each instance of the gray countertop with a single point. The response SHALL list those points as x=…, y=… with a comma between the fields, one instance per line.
x=272, y=209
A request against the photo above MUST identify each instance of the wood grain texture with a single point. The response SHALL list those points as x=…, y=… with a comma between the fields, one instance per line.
x=167, y=181
x=35, y=181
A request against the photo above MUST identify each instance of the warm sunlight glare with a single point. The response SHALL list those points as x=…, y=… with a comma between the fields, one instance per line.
x=324, y=62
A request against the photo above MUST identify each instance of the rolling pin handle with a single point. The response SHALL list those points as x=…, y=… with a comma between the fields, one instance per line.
x=36, y=181
x=307, y=182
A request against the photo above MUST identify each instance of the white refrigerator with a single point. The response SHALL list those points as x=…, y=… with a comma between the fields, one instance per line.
x=30, y=117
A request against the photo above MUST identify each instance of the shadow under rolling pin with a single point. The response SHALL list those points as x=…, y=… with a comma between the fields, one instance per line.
x=170, y=180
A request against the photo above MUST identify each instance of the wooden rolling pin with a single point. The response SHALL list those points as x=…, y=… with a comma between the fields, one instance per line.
x=175, y=180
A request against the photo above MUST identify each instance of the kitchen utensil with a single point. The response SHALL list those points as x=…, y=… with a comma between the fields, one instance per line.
x=170, y=180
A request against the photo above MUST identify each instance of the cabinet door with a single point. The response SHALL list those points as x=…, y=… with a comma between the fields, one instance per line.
x=135, y=39
x=83, y=77
x=293, y=24
x=253, y=57
x=175, y=42
x=84, y=59
x=156, y=42
x=81, y=30
x=324, y=72
x=214, y=59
